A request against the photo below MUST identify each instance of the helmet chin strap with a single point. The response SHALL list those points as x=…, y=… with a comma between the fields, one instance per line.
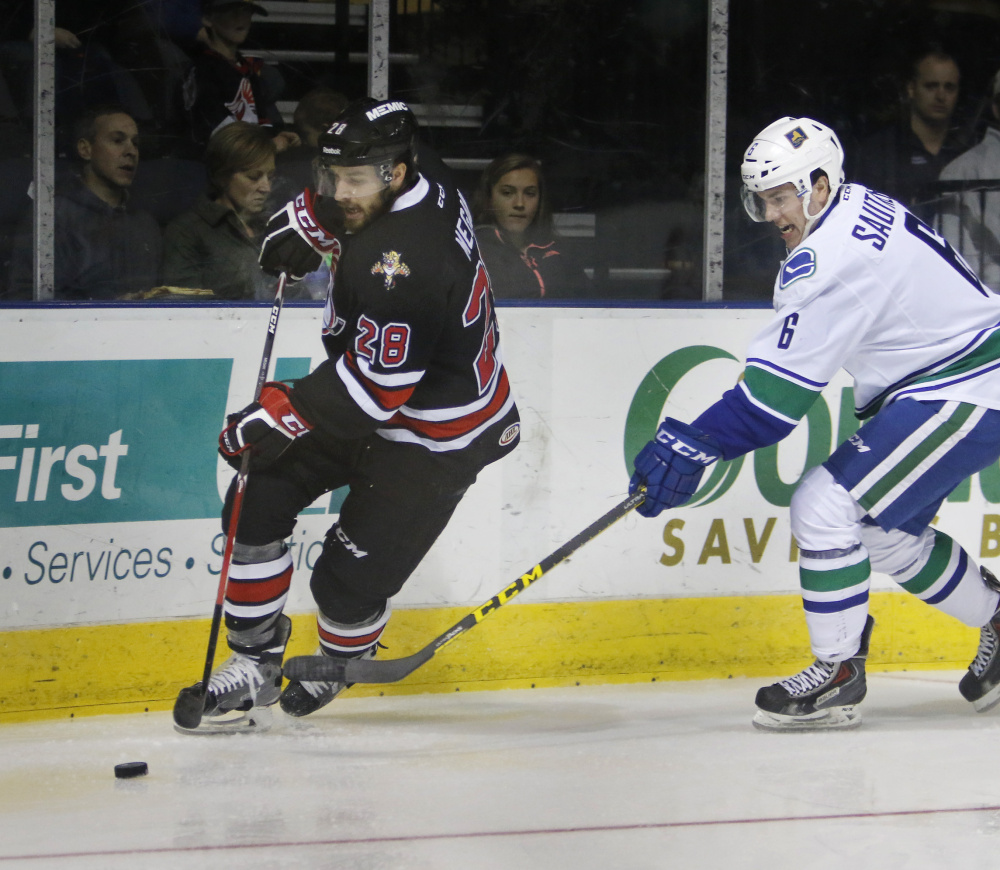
x=811, y=219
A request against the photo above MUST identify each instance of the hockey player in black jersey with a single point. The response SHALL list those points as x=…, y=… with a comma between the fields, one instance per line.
x=412, y=402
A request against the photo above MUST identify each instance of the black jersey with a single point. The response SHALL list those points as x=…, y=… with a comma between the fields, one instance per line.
x=218, y=92
x=412, y=335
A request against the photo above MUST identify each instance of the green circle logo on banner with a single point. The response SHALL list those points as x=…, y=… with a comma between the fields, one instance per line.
x=646, y=411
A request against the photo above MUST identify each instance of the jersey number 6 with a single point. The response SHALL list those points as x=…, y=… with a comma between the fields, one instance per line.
x=788, y=331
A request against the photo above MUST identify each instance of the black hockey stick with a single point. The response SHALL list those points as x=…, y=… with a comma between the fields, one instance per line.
x=326, y=668
x=190, y=704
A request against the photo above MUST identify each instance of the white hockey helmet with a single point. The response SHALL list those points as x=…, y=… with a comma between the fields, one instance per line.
x=790, y=150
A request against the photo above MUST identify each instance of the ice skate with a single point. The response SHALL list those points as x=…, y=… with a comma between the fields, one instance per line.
x=242, y=689
x=981, y=684
x=822, y=697
x=301, y=698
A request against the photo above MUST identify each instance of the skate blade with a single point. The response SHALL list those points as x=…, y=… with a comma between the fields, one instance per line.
x=259, y=719
x=831, y=719
x=988, y=701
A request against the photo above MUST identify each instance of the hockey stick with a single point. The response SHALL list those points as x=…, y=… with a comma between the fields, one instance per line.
x=190, y=704
x=325, y=668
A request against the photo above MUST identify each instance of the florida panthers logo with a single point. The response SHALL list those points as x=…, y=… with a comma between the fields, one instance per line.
x=391, y=266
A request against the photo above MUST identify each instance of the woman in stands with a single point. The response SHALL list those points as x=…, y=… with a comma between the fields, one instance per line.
x=215, y=245
x=523, y=255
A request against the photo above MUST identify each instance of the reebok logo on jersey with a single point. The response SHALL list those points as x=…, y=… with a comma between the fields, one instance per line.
x=390, y=266
x=799, y=265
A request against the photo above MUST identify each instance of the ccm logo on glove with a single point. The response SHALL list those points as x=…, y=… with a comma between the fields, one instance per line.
x=321, y=239
x=296, y=241
x=266, y=428
x=689, y=451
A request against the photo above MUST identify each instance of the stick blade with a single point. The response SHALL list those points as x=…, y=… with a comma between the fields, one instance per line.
x=324, y=668
x=315, y=668
x=189, y=707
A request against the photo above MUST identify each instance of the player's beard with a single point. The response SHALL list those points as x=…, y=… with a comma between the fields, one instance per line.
x=371, y=212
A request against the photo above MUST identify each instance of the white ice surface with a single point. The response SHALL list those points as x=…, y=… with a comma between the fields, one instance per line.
x=662, y=775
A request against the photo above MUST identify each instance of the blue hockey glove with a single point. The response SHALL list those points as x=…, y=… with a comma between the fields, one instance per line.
x=671, y=465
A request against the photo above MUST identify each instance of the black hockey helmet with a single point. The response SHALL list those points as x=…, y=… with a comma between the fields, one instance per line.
x=369, y=132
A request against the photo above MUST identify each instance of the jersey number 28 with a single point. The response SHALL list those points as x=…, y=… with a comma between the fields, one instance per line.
x=480, y=305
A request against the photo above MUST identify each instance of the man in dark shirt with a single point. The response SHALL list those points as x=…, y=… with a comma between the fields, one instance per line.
x=103, y=248
x=902, y=160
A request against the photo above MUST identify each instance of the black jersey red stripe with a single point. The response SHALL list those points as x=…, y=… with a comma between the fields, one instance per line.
x=444, y=430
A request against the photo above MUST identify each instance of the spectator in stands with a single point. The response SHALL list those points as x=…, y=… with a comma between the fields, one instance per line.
x=103, y=248
x=523, y=255
x=87, y=71
x=903, y=159
x=313, y=115
x=970, y=220
x=215, y=245
x=223, y=86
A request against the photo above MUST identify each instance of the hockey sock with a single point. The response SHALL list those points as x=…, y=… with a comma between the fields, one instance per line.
x=945, y=577
x=259, y=579
x=338, y=639
x=835, y=587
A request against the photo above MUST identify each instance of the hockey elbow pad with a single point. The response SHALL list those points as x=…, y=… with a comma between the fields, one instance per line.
x=671, y=466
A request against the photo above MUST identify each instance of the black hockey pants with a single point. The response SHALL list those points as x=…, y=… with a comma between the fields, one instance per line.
x=400, y=499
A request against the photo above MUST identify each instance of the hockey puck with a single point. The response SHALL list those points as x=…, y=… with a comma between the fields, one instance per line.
x=130, y=769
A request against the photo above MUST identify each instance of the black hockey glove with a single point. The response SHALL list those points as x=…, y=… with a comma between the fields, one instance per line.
x=296, y=241
x=265, y=428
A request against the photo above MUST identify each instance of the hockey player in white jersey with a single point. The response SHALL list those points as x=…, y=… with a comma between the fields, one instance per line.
x=869, y=288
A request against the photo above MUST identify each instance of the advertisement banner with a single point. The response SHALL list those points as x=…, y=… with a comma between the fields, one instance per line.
x=111, y=488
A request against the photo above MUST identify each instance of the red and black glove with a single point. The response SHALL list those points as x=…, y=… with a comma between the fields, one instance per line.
x=266, y=428
x=296, y=241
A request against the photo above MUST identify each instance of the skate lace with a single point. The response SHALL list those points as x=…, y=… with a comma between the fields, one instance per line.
x=987, y=648
x=314, y=688
x=238, y=670
x=811, y=678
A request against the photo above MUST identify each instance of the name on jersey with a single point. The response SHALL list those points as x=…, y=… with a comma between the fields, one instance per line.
x=465, y=235
x=876, y=219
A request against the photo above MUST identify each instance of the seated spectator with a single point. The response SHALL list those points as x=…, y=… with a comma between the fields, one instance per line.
x=215, y=245
x=223, y=86
x=521, y=251
x=313, y=115
x=904, y=159
x=970, y=220
x=103, y=248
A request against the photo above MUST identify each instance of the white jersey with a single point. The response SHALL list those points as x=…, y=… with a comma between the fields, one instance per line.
x=876, y=292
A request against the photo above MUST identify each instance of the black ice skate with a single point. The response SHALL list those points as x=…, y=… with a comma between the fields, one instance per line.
x=981, y=685
x=821, y=697
x=244, y=686
x=301, y=698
